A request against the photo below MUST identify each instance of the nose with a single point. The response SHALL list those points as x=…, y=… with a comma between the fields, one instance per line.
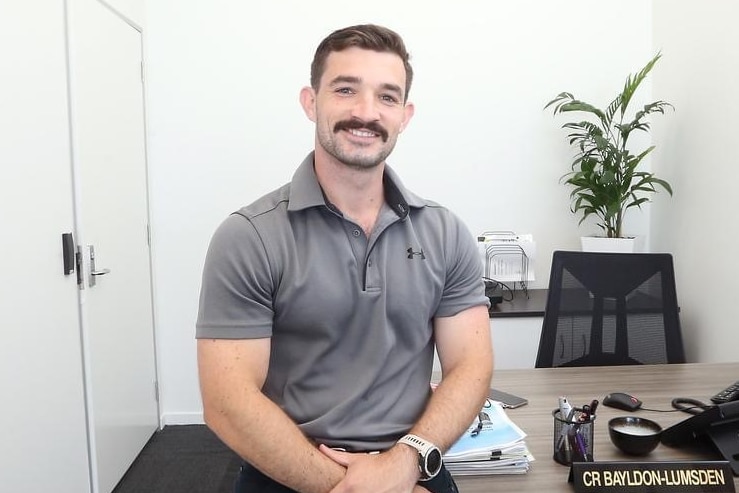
x=366, y=108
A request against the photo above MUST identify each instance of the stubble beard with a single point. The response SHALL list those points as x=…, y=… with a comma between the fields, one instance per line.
x=354, y=156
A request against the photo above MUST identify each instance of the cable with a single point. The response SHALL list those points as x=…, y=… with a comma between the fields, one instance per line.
x=684, y=404
x=690, y=406
x=504, y=287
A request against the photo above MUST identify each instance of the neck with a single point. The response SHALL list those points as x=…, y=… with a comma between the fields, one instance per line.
x=358, y=193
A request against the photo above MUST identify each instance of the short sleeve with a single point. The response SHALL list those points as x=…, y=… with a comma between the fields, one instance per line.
x=237, y=285
x=464, y=286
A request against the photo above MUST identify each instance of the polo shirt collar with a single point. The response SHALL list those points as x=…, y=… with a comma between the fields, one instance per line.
x=305, y=192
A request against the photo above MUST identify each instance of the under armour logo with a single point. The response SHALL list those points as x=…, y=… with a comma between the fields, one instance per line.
x=412, y=254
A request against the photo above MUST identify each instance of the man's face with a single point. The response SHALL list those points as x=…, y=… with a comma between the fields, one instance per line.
x=358, y=108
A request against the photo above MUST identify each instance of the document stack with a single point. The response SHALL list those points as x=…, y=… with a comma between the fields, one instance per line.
x=493, y=444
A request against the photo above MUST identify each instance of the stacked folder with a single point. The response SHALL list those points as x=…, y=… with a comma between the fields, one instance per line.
x=493, y=444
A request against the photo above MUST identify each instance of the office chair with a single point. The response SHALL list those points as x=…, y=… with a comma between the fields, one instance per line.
x=610, y=309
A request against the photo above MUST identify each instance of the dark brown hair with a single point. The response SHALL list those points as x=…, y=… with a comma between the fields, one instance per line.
x=367, y=37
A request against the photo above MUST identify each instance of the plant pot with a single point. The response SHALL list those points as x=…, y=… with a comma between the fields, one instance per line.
x=629, y=244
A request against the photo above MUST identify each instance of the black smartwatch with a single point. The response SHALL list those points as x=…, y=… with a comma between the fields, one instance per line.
x=429, y=456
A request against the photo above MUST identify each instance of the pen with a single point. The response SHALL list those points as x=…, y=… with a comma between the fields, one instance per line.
x=574, y=446
x=584, y=416
x=566, y=428
x=580, y=442
x=593, y=406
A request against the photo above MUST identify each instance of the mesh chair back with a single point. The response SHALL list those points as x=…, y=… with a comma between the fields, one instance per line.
x=610, y=309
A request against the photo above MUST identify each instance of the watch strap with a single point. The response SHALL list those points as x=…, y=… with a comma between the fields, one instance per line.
x=417, y=443
x=425, y=449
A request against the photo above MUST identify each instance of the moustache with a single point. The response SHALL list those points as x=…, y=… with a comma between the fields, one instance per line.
x=358, y=124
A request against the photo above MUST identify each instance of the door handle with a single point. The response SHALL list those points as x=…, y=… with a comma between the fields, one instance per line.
x=94, y=272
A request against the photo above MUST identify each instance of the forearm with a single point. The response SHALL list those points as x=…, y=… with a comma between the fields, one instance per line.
x=270, y=441
x=454, y=405
x=232, y=373
x=466, y=356
x=449, y=412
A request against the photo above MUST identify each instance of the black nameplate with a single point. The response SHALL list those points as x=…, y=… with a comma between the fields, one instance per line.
x=652, y=477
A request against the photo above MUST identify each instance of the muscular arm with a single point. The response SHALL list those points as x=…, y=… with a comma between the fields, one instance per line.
x=465, y=352
x=232, y=373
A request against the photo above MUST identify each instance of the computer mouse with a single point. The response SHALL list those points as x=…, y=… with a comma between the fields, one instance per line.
x=621, y=400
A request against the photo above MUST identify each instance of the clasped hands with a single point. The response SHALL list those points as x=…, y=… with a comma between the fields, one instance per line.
x=392, y=471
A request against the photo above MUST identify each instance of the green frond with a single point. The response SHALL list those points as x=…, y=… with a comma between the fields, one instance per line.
x=612, y=109
x=604, y=176
x=561, y=98
x=633, y=82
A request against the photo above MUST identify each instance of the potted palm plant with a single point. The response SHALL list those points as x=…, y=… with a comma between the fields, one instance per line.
x=605, y=174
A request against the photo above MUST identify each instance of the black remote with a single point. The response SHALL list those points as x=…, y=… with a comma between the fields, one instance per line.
x=730, y=393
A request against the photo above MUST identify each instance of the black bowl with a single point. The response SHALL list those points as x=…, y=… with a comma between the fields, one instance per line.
x=634, y=435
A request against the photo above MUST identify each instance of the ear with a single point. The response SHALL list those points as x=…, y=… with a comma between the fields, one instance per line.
x=409, y=109
x=308, y=102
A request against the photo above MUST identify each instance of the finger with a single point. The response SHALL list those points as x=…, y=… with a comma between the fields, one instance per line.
x=341, y=458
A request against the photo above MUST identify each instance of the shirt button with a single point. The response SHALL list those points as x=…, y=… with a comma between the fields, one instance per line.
x=356, y=233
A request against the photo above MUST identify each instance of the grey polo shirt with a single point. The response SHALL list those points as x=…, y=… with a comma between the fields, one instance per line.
x=350, y=316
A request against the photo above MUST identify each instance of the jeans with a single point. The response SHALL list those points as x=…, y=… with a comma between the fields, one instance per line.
x=250, y=480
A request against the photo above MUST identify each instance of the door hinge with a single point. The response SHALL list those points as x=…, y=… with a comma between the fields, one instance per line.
x=156, y=391
x=142, y=71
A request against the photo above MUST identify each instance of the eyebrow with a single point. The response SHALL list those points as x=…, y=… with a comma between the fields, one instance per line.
x=350, y=79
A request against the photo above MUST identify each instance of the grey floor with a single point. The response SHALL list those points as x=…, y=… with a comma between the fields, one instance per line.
x=182, y=459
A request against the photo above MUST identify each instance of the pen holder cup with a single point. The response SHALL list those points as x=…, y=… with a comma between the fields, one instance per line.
x=573, y=437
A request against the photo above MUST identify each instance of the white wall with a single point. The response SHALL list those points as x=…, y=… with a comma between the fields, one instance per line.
x=699, y=156
x=225, y=125
x=133, y=11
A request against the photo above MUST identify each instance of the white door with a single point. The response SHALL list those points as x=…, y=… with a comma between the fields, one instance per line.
x=43, y=443
x=112, y=217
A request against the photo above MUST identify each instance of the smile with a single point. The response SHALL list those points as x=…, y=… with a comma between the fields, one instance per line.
x=361, y=133
x=362, y=130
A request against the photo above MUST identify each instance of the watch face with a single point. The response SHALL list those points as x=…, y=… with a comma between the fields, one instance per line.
x=433, y=462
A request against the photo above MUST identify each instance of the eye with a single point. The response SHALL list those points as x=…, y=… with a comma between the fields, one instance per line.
x=389, y=99
x=344, y=90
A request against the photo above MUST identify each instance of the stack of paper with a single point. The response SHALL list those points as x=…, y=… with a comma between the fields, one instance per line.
x=493, y=444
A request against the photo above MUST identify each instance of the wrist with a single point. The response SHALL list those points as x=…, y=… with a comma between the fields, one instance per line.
x=406, y=456
x=427, y=456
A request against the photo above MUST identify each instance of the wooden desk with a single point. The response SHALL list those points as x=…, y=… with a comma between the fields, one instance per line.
x=655, y=385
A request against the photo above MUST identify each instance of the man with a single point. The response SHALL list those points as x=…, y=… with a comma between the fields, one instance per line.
x=321, y=302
